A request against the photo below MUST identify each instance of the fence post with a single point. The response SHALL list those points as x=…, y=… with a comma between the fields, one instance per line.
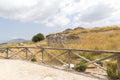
x=26, y=52
x=118, y=61
x=42, y=55
x=7, y=53
x=69, y=59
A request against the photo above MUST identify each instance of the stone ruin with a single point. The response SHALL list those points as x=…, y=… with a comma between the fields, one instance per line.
x=58, y=39
x=55, y=39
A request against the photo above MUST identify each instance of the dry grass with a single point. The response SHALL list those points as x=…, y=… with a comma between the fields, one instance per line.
x=106, y=38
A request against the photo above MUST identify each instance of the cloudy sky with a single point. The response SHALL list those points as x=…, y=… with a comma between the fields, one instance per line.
x=24, y=18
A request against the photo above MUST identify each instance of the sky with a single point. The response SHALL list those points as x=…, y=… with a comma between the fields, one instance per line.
x=25, y=18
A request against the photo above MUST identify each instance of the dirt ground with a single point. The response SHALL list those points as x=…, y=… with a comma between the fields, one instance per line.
x=24, y=70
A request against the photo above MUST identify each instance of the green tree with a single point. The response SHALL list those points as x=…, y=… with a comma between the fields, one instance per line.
x=38, y=37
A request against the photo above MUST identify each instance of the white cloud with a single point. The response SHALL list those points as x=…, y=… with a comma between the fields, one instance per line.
x=28, y=10
x=58, y=20
x=62, y=12
x=96, y=13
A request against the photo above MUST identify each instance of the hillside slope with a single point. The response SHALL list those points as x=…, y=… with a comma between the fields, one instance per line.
x=104, y=38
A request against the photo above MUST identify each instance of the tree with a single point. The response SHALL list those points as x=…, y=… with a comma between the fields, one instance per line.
x=38, y=37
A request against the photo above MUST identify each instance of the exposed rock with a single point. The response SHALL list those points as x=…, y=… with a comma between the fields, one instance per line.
x=56, y=39
x=50, y=35
x=67, y=31
x=79, y=28
x=73, y=37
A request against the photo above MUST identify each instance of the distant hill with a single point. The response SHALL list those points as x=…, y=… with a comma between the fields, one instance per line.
x=16, y=40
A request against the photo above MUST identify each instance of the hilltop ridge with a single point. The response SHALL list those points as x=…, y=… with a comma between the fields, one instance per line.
x=82, y=30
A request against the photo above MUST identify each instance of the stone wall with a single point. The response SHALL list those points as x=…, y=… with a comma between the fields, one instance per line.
x=60, y=39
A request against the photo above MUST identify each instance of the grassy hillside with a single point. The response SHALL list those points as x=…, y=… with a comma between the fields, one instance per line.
x=105, y=38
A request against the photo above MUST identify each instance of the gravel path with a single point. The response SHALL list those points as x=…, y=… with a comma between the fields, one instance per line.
x=23, y=70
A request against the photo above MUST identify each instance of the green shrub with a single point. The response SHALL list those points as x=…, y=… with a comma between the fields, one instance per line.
x=81, y=67
x=112, y=70
x=33, y=59
x=38, y=37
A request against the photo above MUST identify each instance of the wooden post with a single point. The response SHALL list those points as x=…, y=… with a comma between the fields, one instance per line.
x=42, y=55
x=26, y=52
x=69, y=59
x=118, y=61
x=7, y=53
